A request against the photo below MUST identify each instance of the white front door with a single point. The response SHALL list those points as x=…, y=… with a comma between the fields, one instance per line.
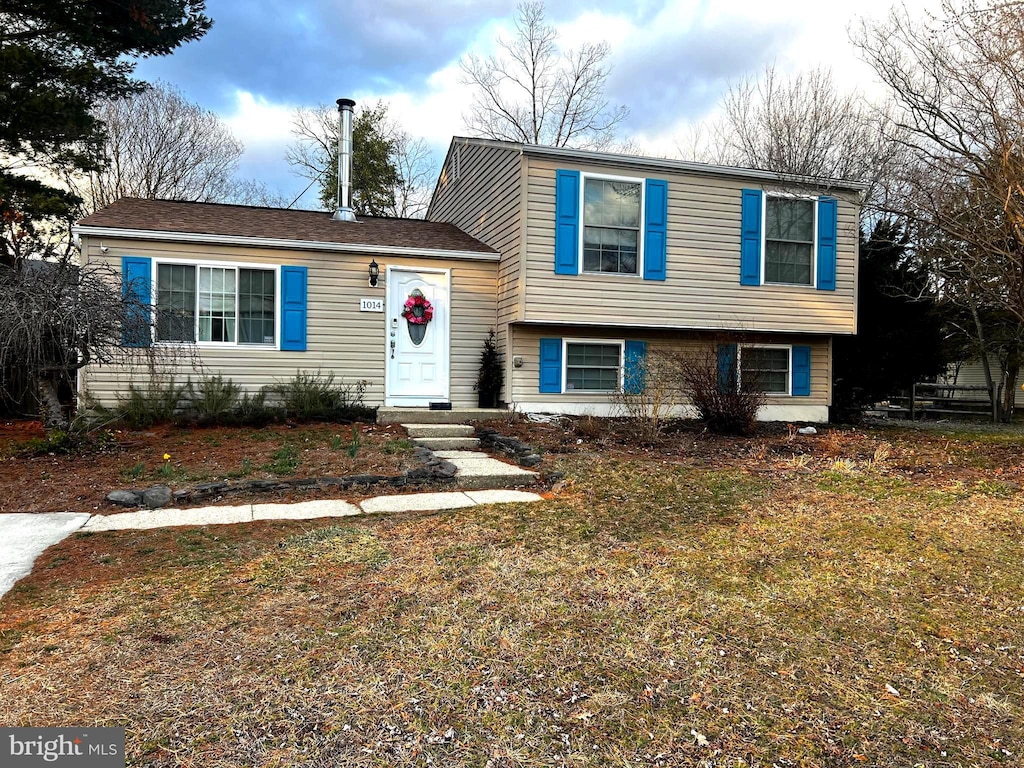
x=417, y=353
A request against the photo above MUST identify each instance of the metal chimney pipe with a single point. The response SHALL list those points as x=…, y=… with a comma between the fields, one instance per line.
x=344, y=211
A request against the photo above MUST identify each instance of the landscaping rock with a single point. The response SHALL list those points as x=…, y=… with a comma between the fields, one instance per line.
x=522, y=452
x=124, y=498
x=530, y=460
x=210, y=487
x=157, y=496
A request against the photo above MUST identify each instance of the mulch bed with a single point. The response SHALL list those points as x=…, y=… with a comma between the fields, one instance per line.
x=78, y=482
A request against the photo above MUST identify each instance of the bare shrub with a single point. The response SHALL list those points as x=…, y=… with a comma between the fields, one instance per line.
x=709, y=376
x=651, y=389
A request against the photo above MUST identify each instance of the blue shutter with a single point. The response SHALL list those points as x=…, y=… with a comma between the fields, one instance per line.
x=567, y=222
x=137, y=284
x=635, y=368
x=293, y=308
x=726, y=368
x=750, y=238
x=550, y=365
x=827, y=226
x=655, y=229
x=801, y=371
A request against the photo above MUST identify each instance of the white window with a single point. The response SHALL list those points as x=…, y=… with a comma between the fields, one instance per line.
x=789, y=232
x=612, y=231
x=216, y=304
x=592, y=366
x=765, y=369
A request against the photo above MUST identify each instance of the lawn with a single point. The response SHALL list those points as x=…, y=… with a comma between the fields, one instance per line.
x=36, y=478
x=852, y=598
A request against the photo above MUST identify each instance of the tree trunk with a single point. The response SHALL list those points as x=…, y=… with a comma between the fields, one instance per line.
x=53, y=409
x=993, y=394
x=1010, y=374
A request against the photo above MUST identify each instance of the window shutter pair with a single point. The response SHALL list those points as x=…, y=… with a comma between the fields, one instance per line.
x=635, y=354
x=137, y=282
x=568, y=223
x=800, y=375
x=752, y=203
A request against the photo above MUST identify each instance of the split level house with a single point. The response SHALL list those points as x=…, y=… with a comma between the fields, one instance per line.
x=584, y=263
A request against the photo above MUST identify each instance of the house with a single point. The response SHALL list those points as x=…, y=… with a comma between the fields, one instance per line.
x=605, y=257
x=583, y=262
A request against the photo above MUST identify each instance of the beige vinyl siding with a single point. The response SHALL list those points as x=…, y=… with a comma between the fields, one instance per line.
x=972, y=374
x=703, y=288
x=340, y=338
x=526, y=343
x=479, y=191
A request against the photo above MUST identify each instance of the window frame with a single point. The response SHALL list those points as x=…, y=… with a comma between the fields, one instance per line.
x=620, y=343
x=789, y=366
x=765, y=196
x=235, y=265
x=584, y=175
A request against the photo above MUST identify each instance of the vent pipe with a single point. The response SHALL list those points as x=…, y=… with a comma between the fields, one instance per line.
x=344, y=211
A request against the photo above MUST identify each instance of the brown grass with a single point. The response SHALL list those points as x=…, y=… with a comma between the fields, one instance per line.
x=727, y=608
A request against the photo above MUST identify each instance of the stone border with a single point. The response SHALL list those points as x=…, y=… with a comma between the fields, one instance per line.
x=432, y=470
x=523, y=453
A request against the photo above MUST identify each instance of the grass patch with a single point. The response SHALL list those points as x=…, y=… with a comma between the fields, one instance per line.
x=284, y=461
x=745, y=612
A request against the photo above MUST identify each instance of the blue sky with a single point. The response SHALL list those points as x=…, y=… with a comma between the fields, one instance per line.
x=672, y=61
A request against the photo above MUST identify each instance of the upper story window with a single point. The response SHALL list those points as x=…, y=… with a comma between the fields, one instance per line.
x=611, y=225
x=789, y=240
x=227, y=305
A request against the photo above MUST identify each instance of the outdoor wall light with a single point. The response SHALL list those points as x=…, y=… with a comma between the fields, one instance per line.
x=374, y=271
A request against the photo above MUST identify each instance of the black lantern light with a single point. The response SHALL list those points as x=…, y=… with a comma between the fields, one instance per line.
x=374, y=273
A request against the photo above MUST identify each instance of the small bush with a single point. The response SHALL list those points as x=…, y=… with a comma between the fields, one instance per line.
x=590, y=428
x=253, y=411
x=649, y=392
x=155, y=404
x=213, y=400
x=316, y=397
x=723, y=406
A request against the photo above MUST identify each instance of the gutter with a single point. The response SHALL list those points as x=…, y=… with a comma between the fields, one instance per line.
x=707, y=169
x=84, y=230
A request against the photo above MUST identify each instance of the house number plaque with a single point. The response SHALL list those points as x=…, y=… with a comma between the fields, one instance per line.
x=371, y=305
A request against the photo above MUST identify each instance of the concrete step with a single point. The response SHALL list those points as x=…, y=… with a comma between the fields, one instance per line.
x=439, y=430
x=478, y=470
x=447, y=443
x=391, y=415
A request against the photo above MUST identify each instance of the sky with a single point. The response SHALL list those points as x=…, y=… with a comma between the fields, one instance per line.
x=672, y=61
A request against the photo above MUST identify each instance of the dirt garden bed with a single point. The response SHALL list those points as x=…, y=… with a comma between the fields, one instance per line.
x=35, y=480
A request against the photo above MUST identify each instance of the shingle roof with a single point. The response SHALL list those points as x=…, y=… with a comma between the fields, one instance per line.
x=175, y=216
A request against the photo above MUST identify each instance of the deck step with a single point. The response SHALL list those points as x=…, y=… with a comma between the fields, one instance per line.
x=447, y=443
x=439, y=430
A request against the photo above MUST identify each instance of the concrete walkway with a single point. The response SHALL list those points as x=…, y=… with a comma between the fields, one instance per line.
x=23, y=537
x=474, y=468
x=302, y=510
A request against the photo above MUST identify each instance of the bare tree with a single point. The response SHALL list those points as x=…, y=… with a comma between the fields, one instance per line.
x=956, y=80
x=159, y=144
x=417, y=168
x=531, y=92
x=804, y=125
x=57, y=317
